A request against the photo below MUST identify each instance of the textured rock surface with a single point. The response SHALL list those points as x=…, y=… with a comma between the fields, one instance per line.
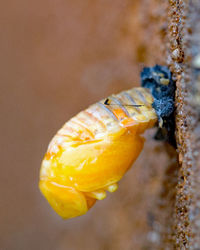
x=184, y=54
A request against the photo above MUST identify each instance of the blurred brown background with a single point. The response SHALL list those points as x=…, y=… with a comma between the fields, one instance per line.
x=57, y=57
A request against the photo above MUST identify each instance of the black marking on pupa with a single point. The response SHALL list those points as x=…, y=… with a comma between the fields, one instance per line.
x=159, y=80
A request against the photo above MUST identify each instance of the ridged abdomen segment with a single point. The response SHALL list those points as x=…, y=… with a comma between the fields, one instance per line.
x=131, y=109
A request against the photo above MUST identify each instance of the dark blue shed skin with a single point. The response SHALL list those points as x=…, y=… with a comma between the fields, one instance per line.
x=164, y=98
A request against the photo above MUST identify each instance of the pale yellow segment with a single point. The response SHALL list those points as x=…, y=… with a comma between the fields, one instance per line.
x=99, y=194
x=112, y=188
x=66, y=201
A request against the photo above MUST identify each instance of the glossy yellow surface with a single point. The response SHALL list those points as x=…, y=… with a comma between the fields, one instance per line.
x=90, y=154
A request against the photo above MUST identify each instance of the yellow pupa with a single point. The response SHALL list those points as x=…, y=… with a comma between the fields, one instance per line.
x=93, y=150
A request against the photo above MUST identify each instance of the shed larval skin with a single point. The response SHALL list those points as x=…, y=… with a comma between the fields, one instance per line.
x=93, y=150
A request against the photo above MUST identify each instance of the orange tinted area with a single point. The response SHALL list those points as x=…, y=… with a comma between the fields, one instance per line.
x=128, y=122
x=50, y=154
x=119, y=113
x=66, y=201
x=123, y=118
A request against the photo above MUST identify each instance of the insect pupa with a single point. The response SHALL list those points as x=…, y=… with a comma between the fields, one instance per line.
x=93, y=150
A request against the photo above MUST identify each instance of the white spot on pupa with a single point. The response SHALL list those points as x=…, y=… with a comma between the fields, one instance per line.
x=46, y=164
x=94, y=160
x=99, y=135
x=59, y=140
x=54, y=149
x=81, y=165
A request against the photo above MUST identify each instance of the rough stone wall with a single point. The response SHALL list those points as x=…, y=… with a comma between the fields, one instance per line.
x=184, y=61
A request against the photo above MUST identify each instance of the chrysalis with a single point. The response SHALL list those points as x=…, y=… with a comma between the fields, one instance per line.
x=93, y=150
